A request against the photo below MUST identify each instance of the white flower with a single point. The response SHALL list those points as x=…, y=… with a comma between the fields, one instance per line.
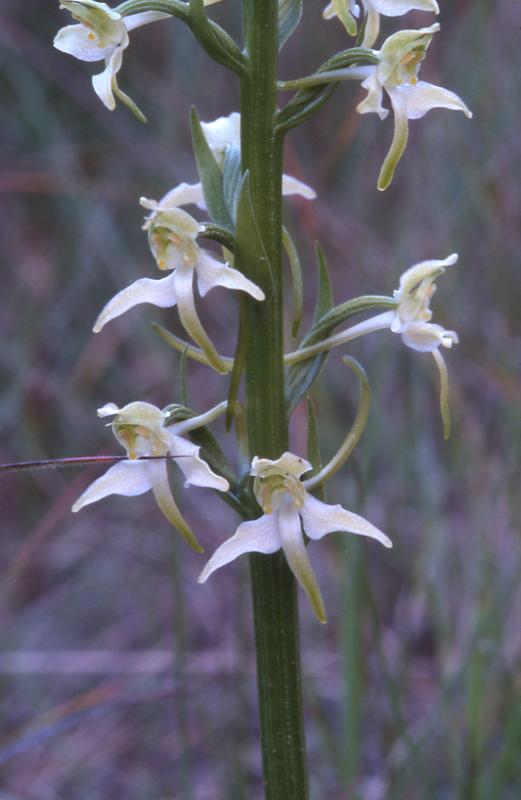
x=347, y=10
x=225, y=132
x=411, y=319
x=102, y=35
x=397, y=74
x=289, y=509
x=172, y=235
x=140, y=428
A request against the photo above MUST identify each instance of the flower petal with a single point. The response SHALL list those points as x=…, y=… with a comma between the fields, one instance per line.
x=128, y=478
x=158, y=477
x=222, y=132
x=288, y=463
x=182, y=195
x=104, y=83
x=372, y=25
x=211, y=272
x=373, y=102
x=108, y=410
x=290, y=532
x=160, y=293
x=196, y=471
x=341, y=10
x=255, y=536
x=319, y=519
x=444, y=392
x=134, y=21
x=77, y=41
x=184, y=292
x=395, y=8
x=419, y=98
x=398, y=145
x=291, y=185
x=426, y=337
x=127, y=101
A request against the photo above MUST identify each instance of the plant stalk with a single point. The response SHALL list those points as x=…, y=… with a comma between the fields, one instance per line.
x=273, y=585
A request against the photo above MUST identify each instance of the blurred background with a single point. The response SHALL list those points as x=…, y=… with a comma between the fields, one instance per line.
x=120, y=676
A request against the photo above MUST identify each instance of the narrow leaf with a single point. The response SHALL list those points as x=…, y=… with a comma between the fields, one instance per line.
x=210, y=175
x=238, y=363
x=182, y=378
x=297, y=283
x=325, y=291
x=300, y=377
x=232, y=177
x=216, y=41
x=249, y=249
x=313, y=446
x=290, y=12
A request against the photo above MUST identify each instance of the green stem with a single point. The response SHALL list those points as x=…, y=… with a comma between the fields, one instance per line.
x=273, y=585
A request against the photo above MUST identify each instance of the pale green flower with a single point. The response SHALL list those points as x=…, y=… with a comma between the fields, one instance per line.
x=411, y=319
x=288, y=511
x=397, y=75
x=172, y=235
x=102, y=35
x=141, y=429
x=348, y=11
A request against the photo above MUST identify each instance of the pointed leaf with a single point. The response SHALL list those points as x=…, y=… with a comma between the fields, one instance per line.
x=210, y=175
x=249, y=249
x=182, y=378
x=313, y=446
x=290, y=12
x=238, y=363
x=297, y=283
x=301, y=376
x=216, y=41
x=325, y=291
x=232, y=177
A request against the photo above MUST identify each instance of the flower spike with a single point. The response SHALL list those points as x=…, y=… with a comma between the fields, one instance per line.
x=140, y=428
x=288, y=510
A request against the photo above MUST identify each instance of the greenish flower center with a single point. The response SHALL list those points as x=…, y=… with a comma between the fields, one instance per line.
x=270, y=490
x=138, y=439
x=408, y=67
x=165, y=239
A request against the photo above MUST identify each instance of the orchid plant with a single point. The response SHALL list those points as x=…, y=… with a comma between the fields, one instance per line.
x=235, y=239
